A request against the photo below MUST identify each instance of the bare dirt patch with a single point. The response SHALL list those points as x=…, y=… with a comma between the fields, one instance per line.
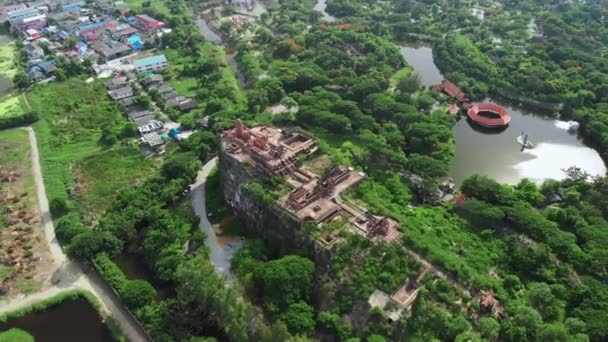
x=25, y=260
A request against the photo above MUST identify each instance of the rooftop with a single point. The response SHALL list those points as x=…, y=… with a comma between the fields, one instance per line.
x=143, y=62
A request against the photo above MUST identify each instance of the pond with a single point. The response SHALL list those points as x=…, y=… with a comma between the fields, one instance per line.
x=497, y=154
x=70, y=321
x=6, y=83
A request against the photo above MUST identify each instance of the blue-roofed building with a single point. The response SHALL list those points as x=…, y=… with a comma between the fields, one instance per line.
x=63, y=35
x=135, y=42
x=73, y=7
x=153, y=63
x=82, y=29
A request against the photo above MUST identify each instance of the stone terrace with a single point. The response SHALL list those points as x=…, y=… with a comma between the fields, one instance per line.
x=315, y=198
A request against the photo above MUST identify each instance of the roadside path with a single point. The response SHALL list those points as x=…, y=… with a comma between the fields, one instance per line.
x=219, y=256
x=68, y=275
x=437, y=270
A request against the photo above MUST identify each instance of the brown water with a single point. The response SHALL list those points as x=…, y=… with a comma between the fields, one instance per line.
x=496, y=153
x=71, y=321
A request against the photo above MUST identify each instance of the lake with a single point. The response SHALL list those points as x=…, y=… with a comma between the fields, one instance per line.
x=70, y=321
x=496, y=153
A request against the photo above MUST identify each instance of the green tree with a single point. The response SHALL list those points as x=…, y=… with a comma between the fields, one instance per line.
x=137, y=293
x=285, y=281
x=86, y=245
x=489, y=328
x=299, y=318
x=21, y=81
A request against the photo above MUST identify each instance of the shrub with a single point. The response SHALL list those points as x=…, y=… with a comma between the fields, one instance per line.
x=110, y=271
x=15, y=335
x=58, y=206
x=18, y=120
x=137, y=293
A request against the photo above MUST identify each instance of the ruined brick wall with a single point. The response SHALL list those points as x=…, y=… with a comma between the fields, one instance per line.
x=271, y=223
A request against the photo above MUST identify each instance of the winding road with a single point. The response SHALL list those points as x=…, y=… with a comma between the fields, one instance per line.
x=219, y=255
x=68, y=275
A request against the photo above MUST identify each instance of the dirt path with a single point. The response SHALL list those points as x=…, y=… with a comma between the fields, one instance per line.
x=68, y=275
x=438, y=271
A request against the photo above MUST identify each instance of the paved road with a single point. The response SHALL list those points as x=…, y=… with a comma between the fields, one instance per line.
x=220, y=256
x=68, y=275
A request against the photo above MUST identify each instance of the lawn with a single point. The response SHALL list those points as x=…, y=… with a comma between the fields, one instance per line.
x=340, y=149
x=121, y=167
x=154, y=5
x=7, y=56
x=11, y=105
x=399, y=74
x=72, y=116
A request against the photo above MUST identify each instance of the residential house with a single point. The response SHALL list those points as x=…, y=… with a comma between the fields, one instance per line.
x=152, y=81
x=37, y=22
x=152, y=139
x=16, y=16
x=116, y=83
x=139, y=115
x=152, y=126
x=168, y=96
x=121, y=93
x=41, y=71
x=5, y=10
x=153, y=63
x=127, y=101
x=182, y=103
x=110, y=49
x=135, y=42
x=33, y=51
x=148, y=23
x=73, y=7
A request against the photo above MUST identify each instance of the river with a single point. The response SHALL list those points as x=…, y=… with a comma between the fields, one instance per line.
x=70, y=321
x=496, y=153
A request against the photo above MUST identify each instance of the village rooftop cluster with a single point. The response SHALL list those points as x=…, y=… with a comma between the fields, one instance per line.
x=98, y=31
x=117, y=46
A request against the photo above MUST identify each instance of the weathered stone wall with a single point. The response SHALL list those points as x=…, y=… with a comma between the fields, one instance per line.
x=271, y=223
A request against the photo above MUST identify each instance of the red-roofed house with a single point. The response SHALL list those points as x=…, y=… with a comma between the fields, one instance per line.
x=148, y=23
x=453, y=110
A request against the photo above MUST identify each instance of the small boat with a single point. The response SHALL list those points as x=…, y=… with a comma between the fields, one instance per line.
x=523, y=140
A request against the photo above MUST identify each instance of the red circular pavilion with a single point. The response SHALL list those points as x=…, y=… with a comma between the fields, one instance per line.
x=500, y=117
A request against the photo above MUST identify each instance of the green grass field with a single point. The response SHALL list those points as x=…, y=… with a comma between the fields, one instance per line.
x=120, y=167
x=7, y=57
x=155, y=5
x=72, y=115
x=11, y=105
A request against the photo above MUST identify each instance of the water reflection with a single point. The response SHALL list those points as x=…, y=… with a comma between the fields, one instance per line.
x=496, y=153
x=70, y=321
